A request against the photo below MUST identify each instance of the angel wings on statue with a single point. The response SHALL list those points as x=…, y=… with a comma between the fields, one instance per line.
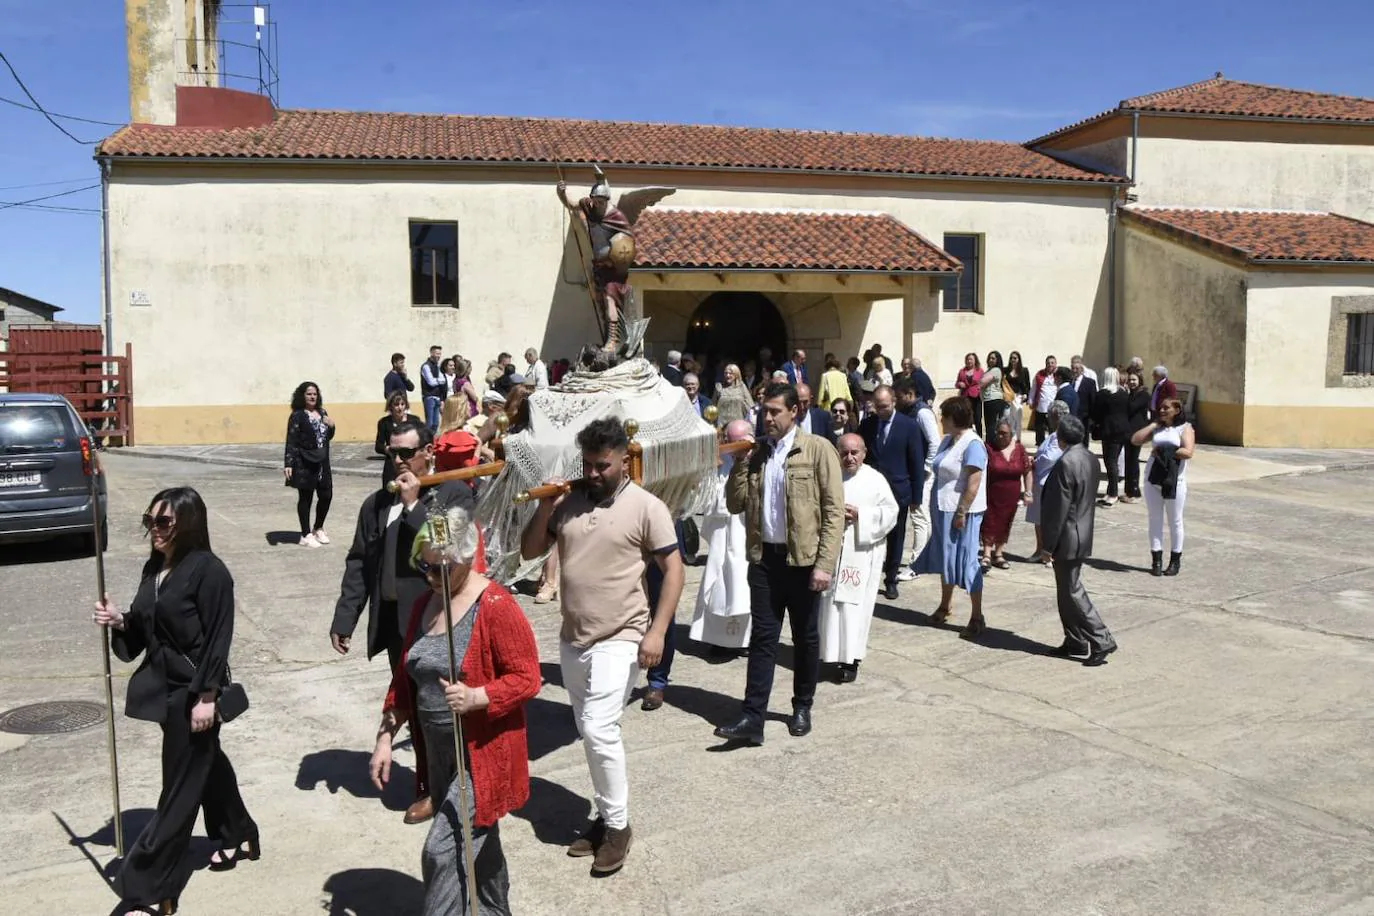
x=609, y=233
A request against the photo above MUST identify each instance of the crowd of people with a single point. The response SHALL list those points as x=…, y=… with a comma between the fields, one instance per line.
x=809, y=525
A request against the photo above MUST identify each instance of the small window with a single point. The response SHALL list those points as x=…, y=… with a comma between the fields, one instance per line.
x=963, y=293
x=1359, y=344
x=433, y=263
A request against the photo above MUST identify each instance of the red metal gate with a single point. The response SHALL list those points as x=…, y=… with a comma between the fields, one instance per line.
x=69, y=360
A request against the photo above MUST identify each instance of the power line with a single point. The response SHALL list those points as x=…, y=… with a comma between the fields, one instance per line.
x=64, y=117
x=5, y=205
x=44, y=184
x=52, y=209
x=14, y=73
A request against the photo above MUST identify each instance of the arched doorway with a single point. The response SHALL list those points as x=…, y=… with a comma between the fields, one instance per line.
x=731, y=328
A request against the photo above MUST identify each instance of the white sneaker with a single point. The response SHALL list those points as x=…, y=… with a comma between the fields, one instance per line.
x=321, y=536
x=906, y=574
x=309, y=540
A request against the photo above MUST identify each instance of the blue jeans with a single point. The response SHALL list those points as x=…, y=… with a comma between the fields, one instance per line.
x=653, y=580
x=433, y=408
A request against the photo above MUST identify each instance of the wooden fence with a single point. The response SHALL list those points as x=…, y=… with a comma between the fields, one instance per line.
x=101, y=388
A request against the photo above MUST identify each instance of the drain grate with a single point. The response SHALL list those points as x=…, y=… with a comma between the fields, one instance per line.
x=54, y=718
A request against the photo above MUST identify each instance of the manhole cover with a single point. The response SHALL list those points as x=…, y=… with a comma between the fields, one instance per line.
x=52, y=718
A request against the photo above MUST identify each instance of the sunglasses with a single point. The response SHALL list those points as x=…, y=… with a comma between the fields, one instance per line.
x=426, y=568
x=403, y=452
x=161, y=522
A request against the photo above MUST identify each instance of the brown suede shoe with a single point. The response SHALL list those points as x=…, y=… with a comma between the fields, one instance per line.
x=611, y=856
x=421, y=811
x=590, y=840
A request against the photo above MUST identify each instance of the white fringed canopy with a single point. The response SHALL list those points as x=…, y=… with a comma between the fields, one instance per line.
x=679, y=451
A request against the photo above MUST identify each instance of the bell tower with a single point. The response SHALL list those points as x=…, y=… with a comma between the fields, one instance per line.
x=171, y=43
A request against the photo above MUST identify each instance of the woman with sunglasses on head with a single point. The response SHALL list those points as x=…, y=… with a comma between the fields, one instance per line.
x=306, y=461
x=397, y=412
x=182, y=622
x=499, y=673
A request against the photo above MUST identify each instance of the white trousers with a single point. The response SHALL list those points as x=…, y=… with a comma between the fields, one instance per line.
x=920, y=518
x=1157, y=506
x=599, y=680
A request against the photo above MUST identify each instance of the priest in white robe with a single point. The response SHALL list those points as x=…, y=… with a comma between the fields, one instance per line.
x=870, y=512
x=721, y=619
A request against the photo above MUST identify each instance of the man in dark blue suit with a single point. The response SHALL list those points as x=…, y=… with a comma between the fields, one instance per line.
x=896, y=448
x=1063, y=377
x=796, y=368
x=1085, y=387
x=691, y=386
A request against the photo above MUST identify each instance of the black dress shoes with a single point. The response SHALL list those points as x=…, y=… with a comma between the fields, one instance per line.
x=799, y=725
x=890, y=593
x=848, y=673
x=1070, y=650
x=1097, y=659
x=746, y=730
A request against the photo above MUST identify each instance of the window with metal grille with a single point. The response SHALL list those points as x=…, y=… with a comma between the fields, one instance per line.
x=433, y=263
x=1359, y=344
x=963, y=293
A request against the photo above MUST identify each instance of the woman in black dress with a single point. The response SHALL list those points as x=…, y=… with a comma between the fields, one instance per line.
x=1111, y=409
x=1137, y=418
x=182, y=622
x=306, y=462
x=397, y=412
x=1016, y=380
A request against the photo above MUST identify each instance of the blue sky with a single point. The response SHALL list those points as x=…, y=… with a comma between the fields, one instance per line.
x=993, y=69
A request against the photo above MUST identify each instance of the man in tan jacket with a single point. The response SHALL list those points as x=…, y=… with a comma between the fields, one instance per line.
x=791, y=491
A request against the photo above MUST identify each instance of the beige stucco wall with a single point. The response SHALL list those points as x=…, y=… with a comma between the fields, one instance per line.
x=1287, y=351
x=1175, y=172
x=298, y=278
x=1186, y=310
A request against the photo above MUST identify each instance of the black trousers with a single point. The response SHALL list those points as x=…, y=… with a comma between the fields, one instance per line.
x=325, y=496
x=196, y=775
x=992, y=412
x=896, y=544
x=1132, y=469
x=1111, y=451
x=1042, y=427
x=976, y=405
x=776, y=589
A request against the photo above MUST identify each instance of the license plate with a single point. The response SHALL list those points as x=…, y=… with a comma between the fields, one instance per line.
x=21, y=479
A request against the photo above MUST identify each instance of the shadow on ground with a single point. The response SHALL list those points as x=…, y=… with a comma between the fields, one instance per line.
x=339, y=768
x=57, y=550
x=556, y=814
x=373, y=892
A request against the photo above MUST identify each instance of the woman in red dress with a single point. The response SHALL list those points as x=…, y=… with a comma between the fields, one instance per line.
x=1009, y=486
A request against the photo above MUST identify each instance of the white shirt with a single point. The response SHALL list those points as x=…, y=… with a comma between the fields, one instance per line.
x=925, y=417
x=537, y=374
x=775, y=490
x=1048, y=389
x=806, y=422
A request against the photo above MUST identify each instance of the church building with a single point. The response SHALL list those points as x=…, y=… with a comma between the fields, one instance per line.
x=1222, y=228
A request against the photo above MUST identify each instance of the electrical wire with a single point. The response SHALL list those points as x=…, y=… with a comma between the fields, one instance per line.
x=5, y=205
x=14, y=73
x=54, y=209
x=43, y=184
x=65, y=117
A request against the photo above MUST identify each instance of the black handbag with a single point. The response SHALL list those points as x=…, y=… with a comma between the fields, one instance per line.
x=233, y=699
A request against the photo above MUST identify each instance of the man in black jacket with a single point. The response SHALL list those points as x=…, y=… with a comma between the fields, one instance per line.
x=1085, y=386
x=377, y=571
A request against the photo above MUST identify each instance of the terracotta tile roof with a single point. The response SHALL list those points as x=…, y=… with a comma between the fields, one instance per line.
x=1265, y=236
x=675, y=238
x=468, y=138
x=1237, y=99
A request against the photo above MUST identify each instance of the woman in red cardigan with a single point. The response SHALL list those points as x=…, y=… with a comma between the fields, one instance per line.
x=499, y=674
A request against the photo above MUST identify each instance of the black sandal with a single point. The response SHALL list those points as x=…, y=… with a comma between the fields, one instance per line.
x=227, y=862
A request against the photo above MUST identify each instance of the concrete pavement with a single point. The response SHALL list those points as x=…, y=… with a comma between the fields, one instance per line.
x=1220, y=764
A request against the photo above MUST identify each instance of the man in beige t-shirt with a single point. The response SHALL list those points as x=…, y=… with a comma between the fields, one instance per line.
x=608, y=530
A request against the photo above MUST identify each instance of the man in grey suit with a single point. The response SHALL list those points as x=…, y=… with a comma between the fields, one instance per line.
x=1066, y=518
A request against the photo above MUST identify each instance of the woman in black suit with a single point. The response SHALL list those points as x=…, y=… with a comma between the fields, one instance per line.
x=306, y=462
x=182, y=622
x=1137, y=418
x=397, y=412
x=1110, y=416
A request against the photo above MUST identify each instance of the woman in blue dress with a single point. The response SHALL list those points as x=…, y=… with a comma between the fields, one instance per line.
x=958, y=500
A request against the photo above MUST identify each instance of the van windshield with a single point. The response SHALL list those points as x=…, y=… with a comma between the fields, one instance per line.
x=32, y=428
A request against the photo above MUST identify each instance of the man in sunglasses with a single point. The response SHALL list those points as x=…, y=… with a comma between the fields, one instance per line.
x=377, y=572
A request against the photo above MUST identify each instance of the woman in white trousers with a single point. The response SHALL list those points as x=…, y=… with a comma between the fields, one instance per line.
x=1172, y=442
